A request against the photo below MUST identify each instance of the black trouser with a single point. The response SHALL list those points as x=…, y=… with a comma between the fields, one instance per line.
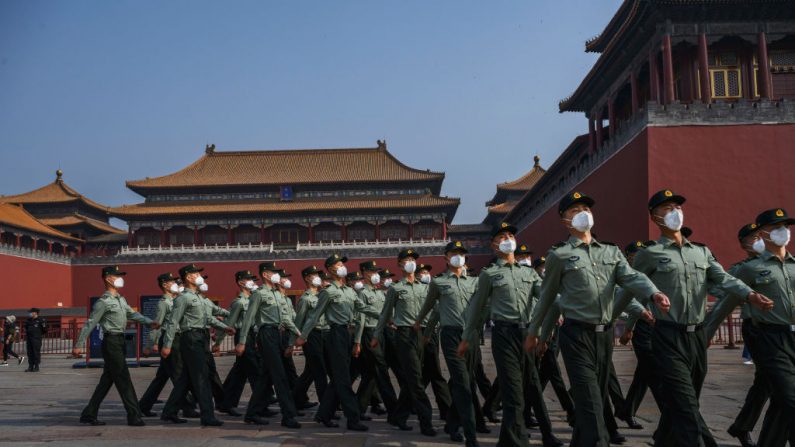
x=681, y=359
x=169, y=369
x=432, y=374
x=34, y=351
x=510, y=358
x=773, y=350
x=587, y=354
x=8, y=351
x=757, y=395
x=375, y=375
x=314, y=368
x=549, y=372
x=269, y=345
x=247, y=367
x=340, y=390
x=645, y=371
x=410, y=378
x=114, y=372
x=289, y=363
x=463, y=412
x=194, y=377
x=615, y=396
x=216, y=385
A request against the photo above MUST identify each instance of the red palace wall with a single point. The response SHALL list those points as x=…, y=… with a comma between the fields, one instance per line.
x=727, y=173
x=31, y=282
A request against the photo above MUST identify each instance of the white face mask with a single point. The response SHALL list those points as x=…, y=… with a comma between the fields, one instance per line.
x=425, y=278
x=780, y=236
x=759, y=246
x=375, y=278
x=204, y=287
x=199, y=280
x=358, y=285
x=526, y=261
x=174, y=288
x=457, y=261
x=508, y=246
x=287, y=284
x=342, y=271
x=674, y=219
x=582, y=221
x=410, y=267
x=275, y=278
x=388, y=282
x=181, y=289
x=316, y=281
x=118, y=283
x=251, y=285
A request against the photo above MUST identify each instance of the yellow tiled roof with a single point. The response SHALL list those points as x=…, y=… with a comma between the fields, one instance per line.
x=55, y=192
x=289, y=167
x=16, y=216
x=77, y=219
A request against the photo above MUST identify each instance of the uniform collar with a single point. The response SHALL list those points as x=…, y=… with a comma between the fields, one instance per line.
x=576, y=242
x=450, y=274
x=767, y=256
x=405, y=280
x=502, y=262
x=666, y=242
x=107, y=294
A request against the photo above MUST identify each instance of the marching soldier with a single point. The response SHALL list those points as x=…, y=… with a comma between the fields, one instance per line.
x=429, y=355
x=111, y=313
x=376, y=373
x=759, y=392
x=585, y=272
x=190, y=316
x=265, y=311
x=772, y=334
x=288, y=309
x=451, y=292
x=217, y=387
x=315, y=364
x=403, y=301
x=338, y=303
x=510, y=289
x=682, y=270
x=171, y=367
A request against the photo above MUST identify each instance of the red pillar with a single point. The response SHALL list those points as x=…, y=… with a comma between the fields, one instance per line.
x=444, y=230
x=19, y=240
x=611, y=117
x=766, y=84
x=411, y=230
x=129, y=237
x=230, y=236
x=654, y=76
x=310, y=233
x=33, y=244
x=703, y=69
x=163, y=238
x=64, y=250
x=599, y=130
x=633, y=87
x=262, y=233
x=344, y=232
x=49, y=246
x=196, y=235
x=668, y=69
x=377, y=231
x=591, y=135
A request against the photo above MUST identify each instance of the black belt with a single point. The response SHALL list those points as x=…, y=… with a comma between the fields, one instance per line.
x=774, y=327
x=679, y=326
x=596, y=327
x=511, y=324
x=113, y=334
x=194, y=329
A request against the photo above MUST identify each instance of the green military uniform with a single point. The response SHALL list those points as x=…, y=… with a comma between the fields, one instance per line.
x=585, y=276
x=375, y=373
x=338, y=303
x=315, y=367
x=265, y=312
x=772, y=338
x=111, y=313
x=451, y=294
x=217, y=387
x=510, y=289
x=401, y=307
x=246, y=366
x=169, y=368
x=679, y=339
x=189, y=318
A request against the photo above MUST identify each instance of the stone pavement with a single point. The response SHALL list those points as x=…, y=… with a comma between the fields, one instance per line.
x=39, y=408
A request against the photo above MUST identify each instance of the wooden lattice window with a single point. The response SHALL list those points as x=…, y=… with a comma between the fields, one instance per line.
x=725, y=77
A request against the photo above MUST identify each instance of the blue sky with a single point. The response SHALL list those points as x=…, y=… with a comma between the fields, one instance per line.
x=118, y=90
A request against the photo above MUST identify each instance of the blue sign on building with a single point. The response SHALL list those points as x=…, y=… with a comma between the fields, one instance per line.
x=286, y=193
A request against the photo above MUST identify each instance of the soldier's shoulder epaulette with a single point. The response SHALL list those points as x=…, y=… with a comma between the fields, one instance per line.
x=700, y=244
x=438, y=275
x=608, y=243
x=650, y=243
x=739, y=263
x=558, y=245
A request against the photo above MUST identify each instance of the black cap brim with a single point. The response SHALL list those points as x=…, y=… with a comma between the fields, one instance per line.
x=584, y=199
x=677, y=199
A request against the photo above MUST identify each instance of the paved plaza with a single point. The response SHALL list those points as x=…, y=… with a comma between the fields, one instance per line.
x=43, y=408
